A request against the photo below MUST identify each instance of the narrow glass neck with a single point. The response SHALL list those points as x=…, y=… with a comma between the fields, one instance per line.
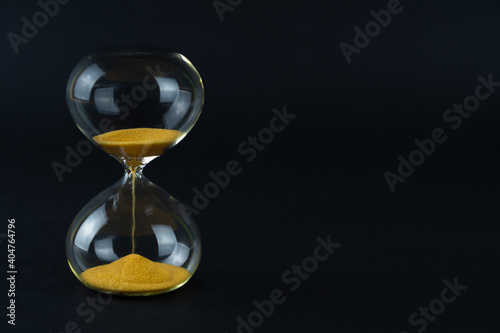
x=133, y=172
x=133, y=176
x=134, y=164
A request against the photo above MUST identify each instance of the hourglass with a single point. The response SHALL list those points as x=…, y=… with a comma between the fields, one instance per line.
x=134, y=238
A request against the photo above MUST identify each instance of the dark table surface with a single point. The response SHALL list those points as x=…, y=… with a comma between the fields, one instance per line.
x=421, y=258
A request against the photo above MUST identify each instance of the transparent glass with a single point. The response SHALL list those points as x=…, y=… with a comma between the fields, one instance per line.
x=135, y=105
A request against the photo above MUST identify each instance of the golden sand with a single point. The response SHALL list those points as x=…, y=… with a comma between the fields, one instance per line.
x=135, y=274
x=137, y=142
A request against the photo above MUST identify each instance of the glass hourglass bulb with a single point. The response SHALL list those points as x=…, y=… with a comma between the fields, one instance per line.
x=134, y=238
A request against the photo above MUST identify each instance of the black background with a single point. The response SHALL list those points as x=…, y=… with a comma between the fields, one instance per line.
x=323, y=175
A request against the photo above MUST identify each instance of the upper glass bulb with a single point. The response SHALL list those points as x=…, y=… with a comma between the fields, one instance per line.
x=133, y=95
